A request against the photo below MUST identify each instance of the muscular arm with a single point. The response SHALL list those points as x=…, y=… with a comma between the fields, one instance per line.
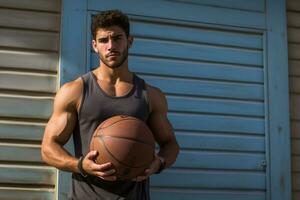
x=59, y=130
x=162, y=131
x=161, y=127
x=60, y=127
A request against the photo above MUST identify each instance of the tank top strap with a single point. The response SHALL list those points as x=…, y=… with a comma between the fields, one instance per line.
x=141, y=91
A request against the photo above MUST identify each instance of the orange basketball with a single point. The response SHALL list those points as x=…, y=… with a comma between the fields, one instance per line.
x=127, y=143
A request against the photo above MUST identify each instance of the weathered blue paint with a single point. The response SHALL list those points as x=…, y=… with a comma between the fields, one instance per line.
x=166, y=193
x=253, y=5
x=216, y=179
x=213, y=63
x=279, y=131
x=73, y=40
x=72, y=64
x=192, y=69
x=196, y=13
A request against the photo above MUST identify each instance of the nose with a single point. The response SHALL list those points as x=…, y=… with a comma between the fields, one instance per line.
x=110, y=45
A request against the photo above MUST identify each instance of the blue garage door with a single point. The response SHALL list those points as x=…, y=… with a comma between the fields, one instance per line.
x=210, y=60
x=213, y=78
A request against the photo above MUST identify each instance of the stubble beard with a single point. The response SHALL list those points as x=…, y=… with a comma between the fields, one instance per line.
x=123, y=58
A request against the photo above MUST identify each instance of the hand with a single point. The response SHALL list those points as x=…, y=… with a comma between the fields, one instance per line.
x=103, y=171
x=153, y=168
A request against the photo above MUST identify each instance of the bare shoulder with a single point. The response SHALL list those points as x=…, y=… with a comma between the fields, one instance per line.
x=69, y=95
x=157, y=99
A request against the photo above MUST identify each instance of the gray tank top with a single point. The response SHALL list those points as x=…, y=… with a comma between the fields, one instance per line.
x=96, y=106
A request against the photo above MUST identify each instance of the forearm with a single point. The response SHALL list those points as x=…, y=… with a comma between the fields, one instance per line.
x=169, y=152
x=55, y=155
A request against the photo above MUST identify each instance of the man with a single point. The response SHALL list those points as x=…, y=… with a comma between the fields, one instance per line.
x=109, y=90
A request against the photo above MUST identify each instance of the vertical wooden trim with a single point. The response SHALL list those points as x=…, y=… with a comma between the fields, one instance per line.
x=73, y=40
x=72, y=64
x=278, y=92
x=267, y=132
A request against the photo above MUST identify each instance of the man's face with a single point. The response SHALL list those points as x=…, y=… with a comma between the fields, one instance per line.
x=112, y=45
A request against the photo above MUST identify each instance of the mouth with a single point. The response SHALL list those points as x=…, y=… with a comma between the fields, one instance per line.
x=112, y=55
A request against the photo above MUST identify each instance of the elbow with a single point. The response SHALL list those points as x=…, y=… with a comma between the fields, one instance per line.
x=45, y=153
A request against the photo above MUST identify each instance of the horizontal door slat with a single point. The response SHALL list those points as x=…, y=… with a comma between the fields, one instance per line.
x=189, y=69
x=294, y=84
x=45, y=5
x=29, y=39
x=28, y=81
x=185, y=12
x=14, y=174
x=195, y=35
x=293, y=35
x=25, y=107
x=217, y=123
x=30, y=20
x=295, y=181
x=180, y=50
x=168, y=194
x=294, y=51
x=293, y=18
x=295, y=129
x=294, y=102
x=17, y=130
x=26, y=194
x=219, y=142
x=23, y=153
x=210, y=179
x=206, y=88
x=295, y=163
x=29, y=60
x=296, y=147
x=293, y=5
x=215, y=106
x=254, y=5
x=294, y=67
x=220, y=160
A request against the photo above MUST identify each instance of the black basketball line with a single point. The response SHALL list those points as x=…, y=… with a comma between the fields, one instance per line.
x=132, y=119
x=125, y=138
x=110, y=153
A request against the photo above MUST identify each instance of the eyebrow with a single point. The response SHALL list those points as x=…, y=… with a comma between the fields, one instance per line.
x=114, y=36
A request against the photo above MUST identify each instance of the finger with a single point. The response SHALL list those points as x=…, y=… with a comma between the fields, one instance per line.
x=100, y=167
x=104, y=172
x=107, y=173
x=91, y=155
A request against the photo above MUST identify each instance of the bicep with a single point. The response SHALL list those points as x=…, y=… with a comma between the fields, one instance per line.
x=60, y=127
x=158, y=119
x=161, y=128
x=62, y=122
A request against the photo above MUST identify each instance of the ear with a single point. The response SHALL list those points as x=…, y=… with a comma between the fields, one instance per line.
x=94, y=44
x=130, y=41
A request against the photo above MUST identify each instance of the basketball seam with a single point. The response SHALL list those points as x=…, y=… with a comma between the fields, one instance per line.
x=125, y=138
x=110, y=153
x=123, y=120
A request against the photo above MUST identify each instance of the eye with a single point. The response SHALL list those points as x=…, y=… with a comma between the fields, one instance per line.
x=103, y=40
x=116, y=38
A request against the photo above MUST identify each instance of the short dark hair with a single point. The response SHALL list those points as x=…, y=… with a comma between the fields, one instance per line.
x=109, y=18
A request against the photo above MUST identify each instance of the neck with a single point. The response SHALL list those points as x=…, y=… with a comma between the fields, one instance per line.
x=113, y=75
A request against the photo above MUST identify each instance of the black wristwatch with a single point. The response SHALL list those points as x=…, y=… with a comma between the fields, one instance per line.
x=162, y=164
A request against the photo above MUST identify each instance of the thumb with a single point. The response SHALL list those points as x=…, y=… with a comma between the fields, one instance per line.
x=92, y=155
